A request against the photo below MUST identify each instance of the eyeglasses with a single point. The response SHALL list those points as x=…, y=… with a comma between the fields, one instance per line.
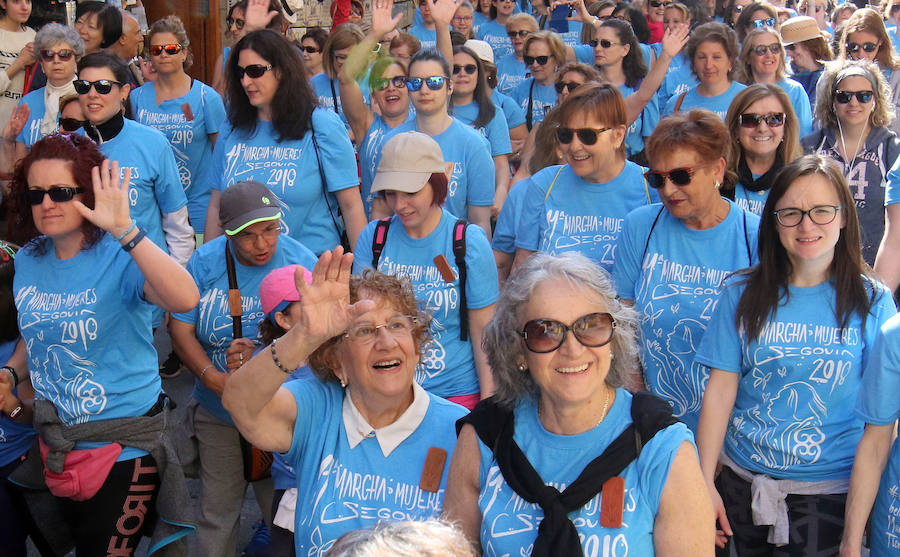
x=310, y=49
x=245, y=237
x=867, y=47
x=655, y=3
x=678, y=176
x=562, y=85
x=435, y=82
x=170, y=49
x=521, y=33
x=252, y=71
x=604, y=43
x=821, y=214
x=71, y=124
x=773, y=119
x=102, y=86
x=587, y=136
x=546, y=335
x=843, y=97
x=398, y=326
x=337, y=56
x=767, y=22
x=237, y=23
x=64, y=55
x=381, y=83
x=541, y=60
x=760, y=50
x=463, y=18
x=470, y=69
x=790, y=47
x=58, y=194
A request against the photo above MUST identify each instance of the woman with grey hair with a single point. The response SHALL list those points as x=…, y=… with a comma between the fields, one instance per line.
x=560, y=417
x=427, y=538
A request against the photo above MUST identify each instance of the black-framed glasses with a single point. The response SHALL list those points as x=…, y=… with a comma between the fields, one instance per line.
x=752, y=120
x=820, y=214
x=253, y=71
x=434, y=82
x=310, y=49
x=58, y=194
x=381, y=83
x=463, y=18
x=470, y=69
x=868, y=48
x=541, y=60
x=562, y=85
x=843, y=97
x=170, y=49
x=102, y=86
x=587, y=136
x=762, y=49
x=546, y=335
x=71, y=124
x=790, y=47
x=521, y=33
x=63, y=54
x=604, y=43
x=655, y=3
x=678, y=176
x=398, y=326
x=767, y=22
x=237, y=23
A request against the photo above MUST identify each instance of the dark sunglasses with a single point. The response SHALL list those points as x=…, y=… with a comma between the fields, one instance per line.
x=468, y=68
x=58, y=194
x=843, y=97
x=767, y=22
x=587, y=136
x=790, y=47
x=64, y=55
x=252, y=71
x=541, y=60
x=310, y=49
x=546, y=335
x=604, y=43
x=71, y=124
x=867, y=47
x=678, y=176
x=381, y=83
x=170, y=49
x=655, y=3
x=435, y=82
x=562, y=85
x=760, y=50
x=773, y=120
x=238, y=23
x=102, y=86
x=521, y=33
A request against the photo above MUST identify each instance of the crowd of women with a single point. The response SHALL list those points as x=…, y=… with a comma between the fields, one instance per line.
x=620, y=283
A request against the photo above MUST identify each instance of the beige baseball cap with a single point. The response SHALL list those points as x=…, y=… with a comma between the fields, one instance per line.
x=407, y=162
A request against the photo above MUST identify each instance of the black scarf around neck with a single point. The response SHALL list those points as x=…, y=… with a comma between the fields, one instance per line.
x=764, y=182
x=107, y=130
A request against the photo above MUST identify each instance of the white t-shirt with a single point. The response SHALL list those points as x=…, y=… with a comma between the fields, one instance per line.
x=11, y=43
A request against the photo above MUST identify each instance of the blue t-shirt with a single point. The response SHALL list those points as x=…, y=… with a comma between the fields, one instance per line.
x=329, y=93
x=494, y=33
x=369, y=153
x=515, y=116
x=283, y=475
x=800, y=103
x=675, y=285
x=479, y=19
x=188, y=132
x=340, y=489
x=753, y=201
x=573, y=214
x=290, y=169
x=541, y=97
x=496, y=131
x=472, y=181
x=504, y=238
x=15, y=437
x=509, y=524
x=31, y=133
x=692, y=99
x=641, y=128
x=428, y=37
x=878, y=404
x=793, y=416
x=212, y=318
x=510, y=72
x=679, y=78
x=448, y=366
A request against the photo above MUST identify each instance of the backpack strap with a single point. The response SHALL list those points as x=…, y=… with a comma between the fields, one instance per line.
x=650, y=234
x=679, y=101
x=553, y=183
x=459, y=253
x=529, y=116
x=379, y=239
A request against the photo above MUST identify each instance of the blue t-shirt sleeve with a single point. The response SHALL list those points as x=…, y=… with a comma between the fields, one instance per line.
x=656, y=460
x=362, y=255
x=882, y=310
x=335, y=151
x=479, y=177
x=584, y=53
x=499, y=134
x=877, y=402
x=213, y=109
x=670, y=106
x=195, y=267
x=528, y=231
x=515, y=116
x=132, y=280
x=650, y=117
x=482, y=286
x=721, y=345
x=312, y=399
x=627, y=268
x=892, y=195
x=504, y=239
x=168, y=190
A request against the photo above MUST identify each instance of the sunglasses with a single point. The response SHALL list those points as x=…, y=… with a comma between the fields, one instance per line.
x=867, y=47
x=541, y=60
x=655, y=3
x=435, y=82
x=587, y=136
x=252, y=71
x=310, y=49
x=821, y=214
x=521, y=33
x=238, y=23
x=760, y=50
x=102, y=86
x=604, y=43
x=767, y=22
x=170, y=49
x=843, y=97
x=381, y=83
x=546, y=335
x=773, y=120
x=678, y=176
x=790, y=47
x=470, y=69
x=562, y=85
x=64, y=55
x=58, y=194
x=71, y=124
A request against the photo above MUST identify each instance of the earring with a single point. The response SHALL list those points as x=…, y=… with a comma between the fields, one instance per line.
x=718, y=184
x=343, y=383
x=522, y=367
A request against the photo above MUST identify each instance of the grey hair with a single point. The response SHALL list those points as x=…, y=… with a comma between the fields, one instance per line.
x=466, y=4
x=54, y=33
x=505, y=347
x=429, y=538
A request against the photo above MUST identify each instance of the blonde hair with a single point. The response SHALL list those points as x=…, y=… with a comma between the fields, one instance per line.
x=744, y=73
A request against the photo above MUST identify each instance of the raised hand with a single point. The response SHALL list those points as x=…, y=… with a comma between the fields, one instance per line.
x=8, y=400
x=257, y=15
x=16, y=123
x=26, y=55
x=383, y=20
x=442, y=11
x=674, y=39
x=111, y=210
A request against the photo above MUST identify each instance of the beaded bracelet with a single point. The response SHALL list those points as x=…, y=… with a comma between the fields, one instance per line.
x=134, y=241
x=127, y=232
x=203, y=371
x=275, y=359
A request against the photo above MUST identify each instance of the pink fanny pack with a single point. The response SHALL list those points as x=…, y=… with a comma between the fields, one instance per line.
x=84, y=471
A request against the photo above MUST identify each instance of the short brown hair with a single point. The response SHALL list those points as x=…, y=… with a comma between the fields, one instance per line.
x=554, y=43
x=603, y=101
x=403, y=38
x=713, y=32
x=869, y=21
x=698, y=130
x=172, y=24
x=344, y=35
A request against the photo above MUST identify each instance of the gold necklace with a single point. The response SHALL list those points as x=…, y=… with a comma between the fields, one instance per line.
x=602, y=412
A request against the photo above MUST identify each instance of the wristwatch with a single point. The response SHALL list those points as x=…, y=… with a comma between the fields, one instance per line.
x=17, y=410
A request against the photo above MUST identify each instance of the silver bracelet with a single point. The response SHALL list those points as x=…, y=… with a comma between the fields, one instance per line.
x=203, y=371
x=275, y=358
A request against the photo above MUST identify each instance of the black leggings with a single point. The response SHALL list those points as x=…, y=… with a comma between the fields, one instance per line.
x=112, y=522
x=16, y=524
x=282, y=544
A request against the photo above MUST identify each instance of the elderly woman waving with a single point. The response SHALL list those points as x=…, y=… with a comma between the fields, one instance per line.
x=364, y=419
x=560, y=346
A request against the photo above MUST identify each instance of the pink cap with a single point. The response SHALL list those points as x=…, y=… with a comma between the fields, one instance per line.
x=278, y=289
